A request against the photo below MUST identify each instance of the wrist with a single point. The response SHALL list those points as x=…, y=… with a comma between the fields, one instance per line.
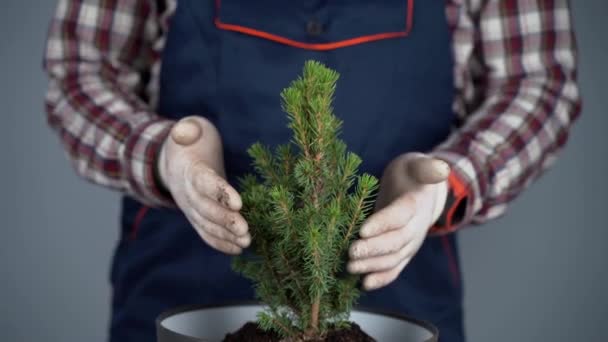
x=159, y=174
x=455, y=206
x=441, y=196
x=140, y=161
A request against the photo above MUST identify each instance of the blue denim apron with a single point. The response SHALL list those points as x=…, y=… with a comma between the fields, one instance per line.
x=228, y=61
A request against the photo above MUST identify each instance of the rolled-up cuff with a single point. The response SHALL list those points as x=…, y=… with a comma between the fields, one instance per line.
x=463, y=194
x=141, y=152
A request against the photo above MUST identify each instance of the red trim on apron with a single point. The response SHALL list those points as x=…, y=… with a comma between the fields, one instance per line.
x=141, y=213
x=322, y=46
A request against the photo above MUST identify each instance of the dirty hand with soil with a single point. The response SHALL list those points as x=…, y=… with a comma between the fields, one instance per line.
x=412, y=195
x=191, y=168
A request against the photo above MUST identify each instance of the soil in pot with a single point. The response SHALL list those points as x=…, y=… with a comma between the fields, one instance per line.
x=250, y=332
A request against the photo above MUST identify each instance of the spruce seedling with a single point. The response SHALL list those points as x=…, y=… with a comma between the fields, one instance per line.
x=305, y=206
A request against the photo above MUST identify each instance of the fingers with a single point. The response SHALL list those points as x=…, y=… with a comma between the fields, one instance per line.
x=214, y=212
x=208, y=183
x=392, y=236
x=393, y=216
x=218, y=231
x=215, y=200
x=381, y=263
x=212, y=206
x=426, y=170
x=221, y=245
x=380, y=279
x=387, y=243
x=194, y=165
x=220, y=227
x=186, y=131
x=205, y=232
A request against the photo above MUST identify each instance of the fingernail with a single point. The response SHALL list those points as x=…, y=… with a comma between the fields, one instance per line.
x=359, y=251
x=440, y=170
x=236, y=203
x=427, y=170
x=370, y=283
x=244, y=241
x=186, y=132
x=354, y=252
x=238, y=227
x=244, y=228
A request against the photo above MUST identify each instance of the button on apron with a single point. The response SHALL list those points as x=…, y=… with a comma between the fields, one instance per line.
x=314, y=28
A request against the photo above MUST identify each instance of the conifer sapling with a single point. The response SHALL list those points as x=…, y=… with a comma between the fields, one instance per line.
x=305, y=207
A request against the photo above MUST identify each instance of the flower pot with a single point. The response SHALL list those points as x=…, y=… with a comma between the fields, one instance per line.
x=211, y=324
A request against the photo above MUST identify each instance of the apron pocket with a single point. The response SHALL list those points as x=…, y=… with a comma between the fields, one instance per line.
x=335, y=24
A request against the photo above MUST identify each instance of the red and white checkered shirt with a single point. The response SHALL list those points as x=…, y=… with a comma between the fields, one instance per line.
x=515, y=82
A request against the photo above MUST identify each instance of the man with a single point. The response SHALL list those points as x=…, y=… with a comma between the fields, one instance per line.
x=457, y=105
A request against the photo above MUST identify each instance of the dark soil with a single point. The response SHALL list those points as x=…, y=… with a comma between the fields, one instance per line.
x=250, y=332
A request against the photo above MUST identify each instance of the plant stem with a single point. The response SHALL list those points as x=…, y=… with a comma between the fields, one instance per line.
x=314, y=319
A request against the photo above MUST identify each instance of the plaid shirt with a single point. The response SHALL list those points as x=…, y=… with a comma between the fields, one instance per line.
x=515, y=93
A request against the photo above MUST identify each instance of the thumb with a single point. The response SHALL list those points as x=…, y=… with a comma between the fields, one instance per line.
x=186, y=131
x=428, y=170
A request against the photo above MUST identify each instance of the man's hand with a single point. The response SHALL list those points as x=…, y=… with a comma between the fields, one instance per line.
x=413, y=192
x=191, y=167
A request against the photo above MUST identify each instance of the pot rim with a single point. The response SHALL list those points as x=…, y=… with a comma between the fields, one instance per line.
x=193, y=307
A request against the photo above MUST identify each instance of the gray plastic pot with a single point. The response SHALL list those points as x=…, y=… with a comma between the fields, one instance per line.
x=211, y=324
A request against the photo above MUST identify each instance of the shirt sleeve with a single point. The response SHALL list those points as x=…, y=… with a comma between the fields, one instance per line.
x=98, y=56
x=530, y=101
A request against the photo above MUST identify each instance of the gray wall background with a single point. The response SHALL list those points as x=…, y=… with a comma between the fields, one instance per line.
x=540, y=273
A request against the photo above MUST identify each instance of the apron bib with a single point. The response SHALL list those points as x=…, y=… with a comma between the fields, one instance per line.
x=228, y=60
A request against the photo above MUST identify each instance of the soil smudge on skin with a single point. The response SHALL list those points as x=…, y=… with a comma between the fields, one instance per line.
x=222, y=196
